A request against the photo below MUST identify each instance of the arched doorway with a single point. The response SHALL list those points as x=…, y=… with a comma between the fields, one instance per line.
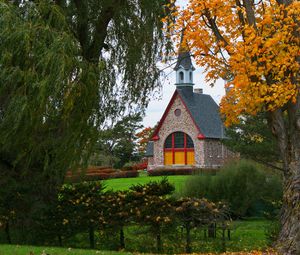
x=179, y=149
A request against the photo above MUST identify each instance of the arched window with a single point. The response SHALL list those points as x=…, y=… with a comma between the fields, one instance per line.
x=181, y=76
x=191, y=77
x=179, y=149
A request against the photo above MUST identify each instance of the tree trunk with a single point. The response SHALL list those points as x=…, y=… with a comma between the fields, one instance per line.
x=122, y=239
x=92, y=236
x=158, y=242
x=7, y=232
x=287, y=132
x=223, y=237
x=289, y=237
x=212, y=230
x=188, y=247
x=60, y=240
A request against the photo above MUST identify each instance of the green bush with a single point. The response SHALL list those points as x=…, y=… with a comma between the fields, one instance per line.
x=243, y=185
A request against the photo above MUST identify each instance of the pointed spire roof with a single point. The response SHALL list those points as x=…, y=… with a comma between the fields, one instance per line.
x=184, y=57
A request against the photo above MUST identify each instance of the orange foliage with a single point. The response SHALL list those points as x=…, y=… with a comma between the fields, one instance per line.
x=143, y=138
x=255, y=49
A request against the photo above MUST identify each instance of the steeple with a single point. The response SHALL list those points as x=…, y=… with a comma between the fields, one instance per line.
x=184, y=67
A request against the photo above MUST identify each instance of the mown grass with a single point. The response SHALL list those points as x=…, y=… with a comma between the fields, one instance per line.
x=38, y=250
x=125, y=183
x=249, y=234
x=246, y=235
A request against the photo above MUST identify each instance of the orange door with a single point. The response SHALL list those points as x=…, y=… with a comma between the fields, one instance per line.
x=179, y=158
x=190, y=156
x=168, y=158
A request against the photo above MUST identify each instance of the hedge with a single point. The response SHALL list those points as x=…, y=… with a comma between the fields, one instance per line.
x=181, y=171
x=170, y=171
x=102, y=176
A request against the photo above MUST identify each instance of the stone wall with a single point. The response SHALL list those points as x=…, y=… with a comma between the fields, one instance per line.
x=216, y=154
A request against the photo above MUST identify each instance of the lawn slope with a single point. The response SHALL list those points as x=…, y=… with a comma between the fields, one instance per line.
x=125, y=183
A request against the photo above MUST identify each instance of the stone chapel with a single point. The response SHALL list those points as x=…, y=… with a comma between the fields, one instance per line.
x=190, y=131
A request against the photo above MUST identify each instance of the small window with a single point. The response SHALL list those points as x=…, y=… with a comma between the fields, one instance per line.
x=191, y=76
x=181, y=76
x=177, y=112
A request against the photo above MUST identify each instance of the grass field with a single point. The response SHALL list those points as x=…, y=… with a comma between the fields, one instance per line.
x=246, y=235
x=125, y=183
x=35, y=250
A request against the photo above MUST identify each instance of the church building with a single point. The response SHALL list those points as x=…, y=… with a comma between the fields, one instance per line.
x=190, y=131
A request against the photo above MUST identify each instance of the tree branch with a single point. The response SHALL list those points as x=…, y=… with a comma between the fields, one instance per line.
x=100, y=32
x=82, y=25
x=268, y=164
x=215, y=29
x=250, y=13
x=241, y=17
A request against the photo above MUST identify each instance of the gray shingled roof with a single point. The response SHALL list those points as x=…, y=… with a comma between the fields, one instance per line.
x=149, y=149
x=184, y=60
x=205, y=113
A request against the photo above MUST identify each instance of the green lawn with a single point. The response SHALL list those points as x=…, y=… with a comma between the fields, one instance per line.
x=125, y=183
x=36, y=250
x=246, y=235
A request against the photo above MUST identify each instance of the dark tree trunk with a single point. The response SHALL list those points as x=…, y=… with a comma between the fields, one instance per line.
x=122, y=239
x=223, y=237
x=212, y=230
x=92, y=236
x=188, y=247
x=287, y=132
x=228, y=234
x=158, y=242
x=289, y=237
x=60, y=240
x=7, y=232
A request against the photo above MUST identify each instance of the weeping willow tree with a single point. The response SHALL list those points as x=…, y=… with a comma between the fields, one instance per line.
x=66, y=68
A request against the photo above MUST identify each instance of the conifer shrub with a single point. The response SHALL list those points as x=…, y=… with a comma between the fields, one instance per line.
x=154, y=188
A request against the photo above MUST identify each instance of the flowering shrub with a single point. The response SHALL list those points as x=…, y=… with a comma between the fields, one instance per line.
x=140, y=166
x=135, y=166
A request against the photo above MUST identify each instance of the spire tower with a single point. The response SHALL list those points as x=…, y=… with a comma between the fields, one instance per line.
x=184, y=67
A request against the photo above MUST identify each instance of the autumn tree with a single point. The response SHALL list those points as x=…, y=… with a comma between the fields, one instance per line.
x=254, y=45
x=143, y=137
